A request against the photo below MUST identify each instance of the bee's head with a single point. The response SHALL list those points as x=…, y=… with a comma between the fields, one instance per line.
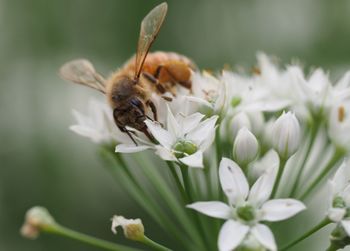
x=131, y=113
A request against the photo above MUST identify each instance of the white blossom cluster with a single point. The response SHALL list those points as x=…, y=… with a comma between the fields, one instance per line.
x=249, y=131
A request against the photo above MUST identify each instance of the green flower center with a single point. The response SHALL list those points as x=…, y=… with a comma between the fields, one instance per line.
x=339, y=202
x=184, y=148
x=246, y=213
x=235, y=101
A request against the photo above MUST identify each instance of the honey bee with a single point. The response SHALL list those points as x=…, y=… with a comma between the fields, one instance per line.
x=129, y=89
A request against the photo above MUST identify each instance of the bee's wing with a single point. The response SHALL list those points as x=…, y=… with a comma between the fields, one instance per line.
x=150, y=27
x=81, y=71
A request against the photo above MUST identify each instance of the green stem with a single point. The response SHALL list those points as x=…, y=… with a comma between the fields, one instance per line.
x=118, y=170
x=177, y=180
x=319, y=226
x=314, y=130
x=93, y=241
x=279, y=176
x=154, y=245
x=169, y=198
x=338, y=154
x=188, y=188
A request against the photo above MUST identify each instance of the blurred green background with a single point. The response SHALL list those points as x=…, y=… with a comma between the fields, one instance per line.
x=43, y=163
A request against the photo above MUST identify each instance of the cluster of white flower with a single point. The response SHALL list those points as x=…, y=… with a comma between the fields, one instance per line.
x=241, y=130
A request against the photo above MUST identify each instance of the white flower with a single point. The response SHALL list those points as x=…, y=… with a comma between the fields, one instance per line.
x=339, y=124
x=208, y=91
x=286, y=135
x=247, y=208
x=133, y=228
x=340, y=197
x=36, y=219
x=245, y=147
x=98, y=125
x=184, y=140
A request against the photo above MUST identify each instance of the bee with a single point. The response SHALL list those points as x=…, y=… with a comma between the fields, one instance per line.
x=129, y=89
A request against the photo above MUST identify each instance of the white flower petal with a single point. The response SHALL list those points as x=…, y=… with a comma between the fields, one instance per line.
x=214, y=209
x=264, y=235
x=281, y=209
x=233, y=181
x=262, y=188
x=340, y=178
x=231, y=235
x=123, y=148
x=172, y=124
x=336, y=214
x=189, y=122
x=193, y=160
x=200, y=132
x=165, y=153
x=162, y=136
x=346, y=226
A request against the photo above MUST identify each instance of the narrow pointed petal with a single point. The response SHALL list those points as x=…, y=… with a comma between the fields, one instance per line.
x=194, y=160
x=172, y=124
x=200, y=132
x=214, y=209
x=281, y=209
x=162, y=136
x=264, y=235
x=262, y=188
x=231, y=235
x=346, y=226
x=190, y=122
x=122, y=148
x=233, y=181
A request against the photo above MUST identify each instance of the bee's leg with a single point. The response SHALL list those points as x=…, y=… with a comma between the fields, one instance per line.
x=123, y=129
x=167, y=98
x=153, y=109
x=155, y=81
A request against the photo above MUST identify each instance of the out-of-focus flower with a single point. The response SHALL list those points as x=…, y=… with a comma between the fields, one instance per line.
x=340, y=196
x=246, y=209
x=98, y=125
x=339, y=125
x=184, y=141
x=286, y=135
x=133, y=228
x=245, y=147
x=209, y=91
x=239, y=121
x=36, y=220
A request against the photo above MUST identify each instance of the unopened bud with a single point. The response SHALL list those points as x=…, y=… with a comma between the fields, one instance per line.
x=286, y=135
x=133, y=228
x=245, y=147
x=36, y=220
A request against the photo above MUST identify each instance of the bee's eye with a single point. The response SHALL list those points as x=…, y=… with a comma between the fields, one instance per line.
x=136, y=102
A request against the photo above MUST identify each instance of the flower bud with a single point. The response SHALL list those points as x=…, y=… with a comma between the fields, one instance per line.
x=133, y=228
x=245, y=147
x=286, y=135
x=36, y=220
x=239, y=121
